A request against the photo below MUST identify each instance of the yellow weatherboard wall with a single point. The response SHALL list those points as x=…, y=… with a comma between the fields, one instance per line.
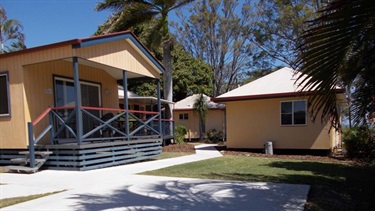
x=250, y=123
x=13, y=130
x=119, y=54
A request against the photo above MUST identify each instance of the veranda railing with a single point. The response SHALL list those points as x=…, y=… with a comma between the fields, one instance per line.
x=62, y=128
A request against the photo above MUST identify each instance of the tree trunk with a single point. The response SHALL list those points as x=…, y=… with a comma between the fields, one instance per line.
x=167, y=82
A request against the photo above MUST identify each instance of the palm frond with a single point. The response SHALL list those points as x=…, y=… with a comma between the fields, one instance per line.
x=327, y=45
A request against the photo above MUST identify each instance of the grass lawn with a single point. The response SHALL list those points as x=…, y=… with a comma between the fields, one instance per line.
x=334, y=186
x=12, y=201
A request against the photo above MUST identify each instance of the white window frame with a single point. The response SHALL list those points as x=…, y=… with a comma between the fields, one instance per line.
x=6, y=75
x=292, y=101
x=183, y=116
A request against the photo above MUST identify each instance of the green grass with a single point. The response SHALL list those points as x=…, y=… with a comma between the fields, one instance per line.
x=16, y=200
x=334, y=186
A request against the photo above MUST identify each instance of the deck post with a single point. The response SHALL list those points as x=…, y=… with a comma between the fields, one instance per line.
x=52, y=132
x=31, y=144
x=77, y=87
x=126, y=103
x=159, y=108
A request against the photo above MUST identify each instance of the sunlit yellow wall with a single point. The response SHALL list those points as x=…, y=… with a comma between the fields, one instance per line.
x=30, y=99
x=253, y=122
x=215, y=120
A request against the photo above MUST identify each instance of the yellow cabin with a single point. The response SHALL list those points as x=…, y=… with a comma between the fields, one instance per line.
x=65, y=96
x=184, y=115
x=272, y=109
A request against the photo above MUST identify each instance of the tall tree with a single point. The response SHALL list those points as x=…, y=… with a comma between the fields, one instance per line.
x=130, y=13
x=279, y=25
x=190, y=75
x=216, y=32
x=340, y=46
x=10, y=31
x=200, y=107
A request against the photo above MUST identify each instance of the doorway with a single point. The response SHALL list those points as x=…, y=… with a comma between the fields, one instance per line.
x=65, y=97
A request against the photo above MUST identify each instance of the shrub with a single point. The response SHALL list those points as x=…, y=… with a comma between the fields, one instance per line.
x=180, y=132
x=214, y=136
x=360, y=144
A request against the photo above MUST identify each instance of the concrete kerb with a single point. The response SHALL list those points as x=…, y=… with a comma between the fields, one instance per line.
x=119, y=187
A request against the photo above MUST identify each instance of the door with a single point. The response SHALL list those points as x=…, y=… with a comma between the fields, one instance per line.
x=65, y=97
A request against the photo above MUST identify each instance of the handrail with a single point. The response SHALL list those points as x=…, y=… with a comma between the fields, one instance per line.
x=41, y=116
x=105, y=109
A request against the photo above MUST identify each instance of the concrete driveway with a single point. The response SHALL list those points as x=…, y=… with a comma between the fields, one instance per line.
x=119, y=188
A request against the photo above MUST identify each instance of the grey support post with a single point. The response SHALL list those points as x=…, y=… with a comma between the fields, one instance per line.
x=77, y=88
x=126, y=102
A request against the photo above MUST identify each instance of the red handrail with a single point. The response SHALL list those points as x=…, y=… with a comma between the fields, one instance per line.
x=41, y=116
x=105, y=109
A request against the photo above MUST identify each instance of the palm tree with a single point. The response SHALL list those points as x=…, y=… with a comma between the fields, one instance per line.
x=339, y=49
x=10, y=30
x=200, y=107
x=131, y=13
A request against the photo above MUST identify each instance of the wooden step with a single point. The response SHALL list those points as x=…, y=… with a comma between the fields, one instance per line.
x=42, y=153
x=26, y=160
x=22, y=169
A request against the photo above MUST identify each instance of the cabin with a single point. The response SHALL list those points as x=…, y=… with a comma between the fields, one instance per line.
x=61, y=101
x=185, y=116
x=273, y=110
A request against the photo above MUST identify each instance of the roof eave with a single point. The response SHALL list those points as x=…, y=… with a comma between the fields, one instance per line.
x=268, y=96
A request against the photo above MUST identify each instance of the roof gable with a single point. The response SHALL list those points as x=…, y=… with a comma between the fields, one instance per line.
x=188, y=103
x=92, y=41
x=281, y=83
x=113, y=37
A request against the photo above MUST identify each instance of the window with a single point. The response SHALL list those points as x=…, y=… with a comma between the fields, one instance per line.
x=293, y=112
x=4, y=95
x=184, y=116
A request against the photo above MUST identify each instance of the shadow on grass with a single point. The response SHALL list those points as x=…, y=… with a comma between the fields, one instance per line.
x=195, y=195
x=333, y=186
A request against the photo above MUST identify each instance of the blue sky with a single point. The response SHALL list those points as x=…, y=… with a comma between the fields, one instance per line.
x=50, y=21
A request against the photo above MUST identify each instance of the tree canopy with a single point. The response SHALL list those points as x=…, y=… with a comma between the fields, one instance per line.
x=216, y=31
x=11, y=36
x=190, y=75
x=277, y=31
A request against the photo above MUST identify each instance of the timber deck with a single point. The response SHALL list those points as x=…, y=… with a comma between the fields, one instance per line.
x=88, y=156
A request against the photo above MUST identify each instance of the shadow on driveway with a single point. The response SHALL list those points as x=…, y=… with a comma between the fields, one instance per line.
x=196, y=195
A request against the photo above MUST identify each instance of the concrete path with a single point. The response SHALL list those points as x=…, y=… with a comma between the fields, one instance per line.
x=119, y=188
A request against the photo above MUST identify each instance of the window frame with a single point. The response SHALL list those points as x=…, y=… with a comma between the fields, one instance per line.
x=293, y=124
x=9, y=113
x=71, y=80
x=185, y=116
